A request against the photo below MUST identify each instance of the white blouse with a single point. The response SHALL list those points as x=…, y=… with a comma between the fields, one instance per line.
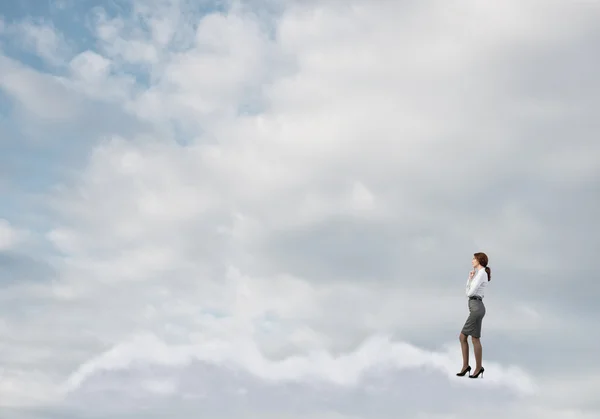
x=476, y=285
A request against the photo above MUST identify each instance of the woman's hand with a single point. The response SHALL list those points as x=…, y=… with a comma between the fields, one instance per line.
x=471, y=274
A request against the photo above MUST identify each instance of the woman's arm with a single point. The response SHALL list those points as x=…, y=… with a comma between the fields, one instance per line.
x=469, y=280
x=477, y=280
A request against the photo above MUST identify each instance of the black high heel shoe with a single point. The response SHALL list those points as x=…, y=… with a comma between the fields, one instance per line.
x=462, y=373
x=479, y=372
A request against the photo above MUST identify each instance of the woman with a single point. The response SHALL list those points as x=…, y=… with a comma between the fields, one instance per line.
x=475, y=289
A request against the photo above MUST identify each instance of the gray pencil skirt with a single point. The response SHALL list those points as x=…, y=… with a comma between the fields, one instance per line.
x=472, y=326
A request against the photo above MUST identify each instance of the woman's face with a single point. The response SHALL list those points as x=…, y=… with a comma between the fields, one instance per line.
x=475, y=262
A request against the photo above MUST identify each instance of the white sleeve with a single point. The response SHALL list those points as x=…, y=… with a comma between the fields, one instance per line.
x=477, y=280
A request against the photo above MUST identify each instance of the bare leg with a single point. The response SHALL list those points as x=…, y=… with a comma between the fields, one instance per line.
x=464, y=346
x=478, y=352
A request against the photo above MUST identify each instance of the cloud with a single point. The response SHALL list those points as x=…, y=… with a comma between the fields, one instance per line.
x=272, y=209
x=8, y=235
x=40, y=38
x=345, y=370
x=35, y=92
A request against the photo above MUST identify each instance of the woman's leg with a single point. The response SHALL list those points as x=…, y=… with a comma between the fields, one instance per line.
x=464, y=346
x=477, y=340
x=478, y=353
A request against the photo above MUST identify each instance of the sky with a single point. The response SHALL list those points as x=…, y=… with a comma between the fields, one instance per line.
x=268, y=209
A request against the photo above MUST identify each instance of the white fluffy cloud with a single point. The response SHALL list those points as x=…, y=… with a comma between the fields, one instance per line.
x=275, y=207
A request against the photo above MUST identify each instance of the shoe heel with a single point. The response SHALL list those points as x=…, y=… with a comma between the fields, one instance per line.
x=478, y=374
x=464, y=372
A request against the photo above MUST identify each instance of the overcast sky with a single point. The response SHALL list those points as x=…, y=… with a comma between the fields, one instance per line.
x=268, y=209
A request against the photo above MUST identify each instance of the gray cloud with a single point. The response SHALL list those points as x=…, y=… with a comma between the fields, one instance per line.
x=378, y=157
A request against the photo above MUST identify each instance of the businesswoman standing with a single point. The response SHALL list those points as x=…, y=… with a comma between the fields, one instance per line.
x=478, y=279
